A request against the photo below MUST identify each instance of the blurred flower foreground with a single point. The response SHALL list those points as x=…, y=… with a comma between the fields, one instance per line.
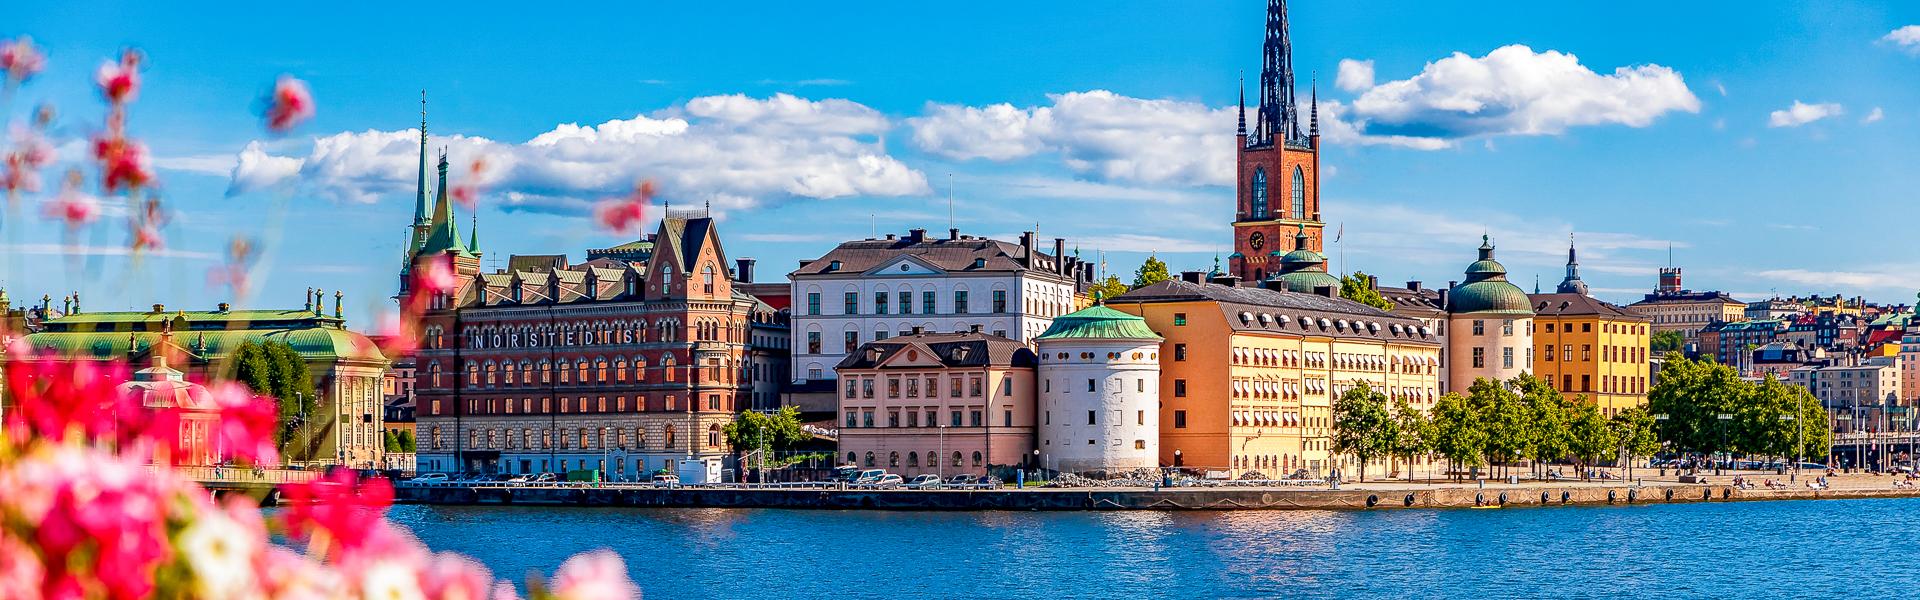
x=92, y=506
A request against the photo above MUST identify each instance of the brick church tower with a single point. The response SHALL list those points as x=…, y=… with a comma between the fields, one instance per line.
x=1278, y=188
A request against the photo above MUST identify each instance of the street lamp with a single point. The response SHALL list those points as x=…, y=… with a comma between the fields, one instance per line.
x=1800, y=440
x=1723, y=418
x=1659, y=420
x=940, y=462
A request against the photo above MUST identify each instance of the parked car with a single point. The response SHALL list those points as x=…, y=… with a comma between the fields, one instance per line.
x=888, y=481
x=961, y=479
x=867, y=476
x=924, y=481
x=543, y=478
x=662, y=480
x=430, y=478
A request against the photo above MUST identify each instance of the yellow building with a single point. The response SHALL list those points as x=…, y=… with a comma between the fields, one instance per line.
x=1673, y=308
x=1591, y=349
x=1248, y=374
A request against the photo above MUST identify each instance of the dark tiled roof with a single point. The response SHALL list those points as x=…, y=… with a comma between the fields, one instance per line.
x=1422, y=303
x=1261, y=309
x=953, y=350
x=946, y=254
x=1687, y=296
x=1579, y=304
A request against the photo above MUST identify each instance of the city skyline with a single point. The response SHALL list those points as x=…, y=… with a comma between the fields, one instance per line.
x=1631, y=138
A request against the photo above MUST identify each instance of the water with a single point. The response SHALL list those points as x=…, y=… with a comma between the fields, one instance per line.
x=1785, y=549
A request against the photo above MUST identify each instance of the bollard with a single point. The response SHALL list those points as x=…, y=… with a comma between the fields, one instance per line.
x=1610, y=496
x=1372, y=500
x=1503, y=498
x=1408, y=501
x=1543, y=498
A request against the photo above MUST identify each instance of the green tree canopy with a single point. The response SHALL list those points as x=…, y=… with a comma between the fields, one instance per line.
x=1413, y=432
x=1110, y=287
x=1592, y=440
x=1455, y=430
x=1358, y=287
x=274, y=369
x=757, y=431
x=1634, y=428
x=1548, y=418
x=1663, y=342
x=1361, y=425
x=1503, y=418
x=1151, y=272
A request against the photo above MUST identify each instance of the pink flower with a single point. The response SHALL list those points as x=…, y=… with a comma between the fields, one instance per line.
x=341, y=506
x=621, y=215
x=19, y=170
x=247, y=423
x=21, y=573
x=290, y=105
x=119, y=82
x=467, y=192
x=450, y=576
x=73, y=206
x=20, y=59
x=398, y=336
x=123, y=163
x=54, y=399
x=597, y=575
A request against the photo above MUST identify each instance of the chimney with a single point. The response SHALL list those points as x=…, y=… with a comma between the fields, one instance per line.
x=953, y=234
x=224, y=307
x=1026, y=244
x=1443, y=297
x=1193, y=276
x=1323, y=290
x=1226, y=280
x=76, y=303
x=1274, y=284
x=1413, y=286
x=890, y=237
x=159, y=308
x=336, y=304
x=743, y=270
x=1373, y=282
x=1060, y=255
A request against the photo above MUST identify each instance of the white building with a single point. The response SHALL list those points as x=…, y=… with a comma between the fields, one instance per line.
x=874, y=289
x=1099, y=393
x=1490, y=325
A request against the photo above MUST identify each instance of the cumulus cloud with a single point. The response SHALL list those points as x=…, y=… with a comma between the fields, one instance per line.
x=1354, y=75
x=1905, y=38
x=1098, y=132
x=734, y=151
x=1514, y=90
x=1874, y=116
x=1802, y=113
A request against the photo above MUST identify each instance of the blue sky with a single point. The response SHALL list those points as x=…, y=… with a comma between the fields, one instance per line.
x=1628, y=125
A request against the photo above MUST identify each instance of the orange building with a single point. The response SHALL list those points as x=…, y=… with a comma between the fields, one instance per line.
x=1248, y=374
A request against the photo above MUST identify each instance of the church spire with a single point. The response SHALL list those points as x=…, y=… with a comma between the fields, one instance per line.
x=1279, y=116
x=1242, y=131
x=1313, y=108
x=444, y=232
x=420, y=191
x=1572, y=284
x=473, y=233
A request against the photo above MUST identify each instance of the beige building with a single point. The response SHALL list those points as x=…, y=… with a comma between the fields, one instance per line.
x=1672, y=308
x=1855, y=395
x=942, y=403
x=1490, y=325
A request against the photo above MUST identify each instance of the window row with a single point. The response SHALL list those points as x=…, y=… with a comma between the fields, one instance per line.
x=913, y=459
x=584, y=438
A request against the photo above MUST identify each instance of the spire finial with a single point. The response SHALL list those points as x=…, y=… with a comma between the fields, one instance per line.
x=1313, y=106
x=1278, y=115
x=1243, y=105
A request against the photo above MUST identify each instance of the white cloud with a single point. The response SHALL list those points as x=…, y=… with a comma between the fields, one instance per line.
x=1906, y=38
x=1354, y=75
x=1131, y=242
x=1802, y=113
x=218, y=164
x=1874, y=116
x=1516, y=91
x=1075, y=189
x=1097, y=132
x=1892, y=277
x=733, y=150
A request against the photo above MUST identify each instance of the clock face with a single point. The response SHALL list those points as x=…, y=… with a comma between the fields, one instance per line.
x=1257, y=240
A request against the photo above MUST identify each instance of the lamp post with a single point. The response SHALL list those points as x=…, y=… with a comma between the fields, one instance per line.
x=1800, y=439
x=1659, y=419
x=940, y=462
x=1723, y=418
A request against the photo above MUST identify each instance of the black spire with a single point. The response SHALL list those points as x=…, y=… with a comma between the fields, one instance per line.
x=1243, y=106
x=1278, y=115
x=1572, y=284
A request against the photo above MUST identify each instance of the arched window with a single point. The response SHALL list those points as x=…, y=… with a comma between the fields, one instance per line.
x=976, y=458
x=433, y=373
x=639, y=369
x=473, y=374
x=869, y=458
x=957, y=461
x=706, y=278
x=619, y=369
x=1299, y=193
x=713, y=436
x=1258, y=189
x=893, y=460
x=507, y=374
x=913, y=459
x=852, y=458
x=666, y=367
x=669, y=437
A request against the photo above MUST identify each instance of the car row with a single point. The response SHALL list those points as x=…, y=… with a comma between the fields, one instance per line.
x=880, y=479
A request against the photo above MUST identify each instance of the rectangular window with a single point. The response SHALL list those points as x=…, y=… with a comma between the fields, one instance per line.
x=1179, y=352
x=1549, y=352
x=853, y=303
x=999, y=301
x=1179, y=388
x=1586, y=383
x=852, y=341
x=1179, y=319
x=906, y=302
x=893, y=387
x=913, y=387
x=866, y=418
x=1586, y=352
x=1090, y=415
x=1549, y=328
x=1140, y=385
x=1090, y=385
x=1567, y=352
x=933, y=387
x=880, y=303
x=813, y=342
x=973, y=418
x=1479, y=358
x=1179, y=419
x=852, y=385
x=893, y=418
x=1506, y=358
x=813, y=303
x=1139, y=417
x=1006, y=386
x=960, y=301
x=926, y=303
x=1566, y=383
x=853, y=419
x=954, y=418
x=953, y=387
x=879, y=334
x=1479, y=327
x=1006, y=418
x=913, y=418
x=1586, y=328
x=1506, y=327
x=866, y=388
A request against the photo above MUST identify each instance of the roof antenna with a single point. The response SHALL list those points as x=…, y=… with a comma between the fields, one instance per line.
x=950, y=200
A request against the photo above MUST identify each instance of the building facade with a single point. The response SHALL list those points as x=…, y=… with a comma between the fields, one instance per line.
x=1099, y=382
x=940, y=403
x=1248, y=374
x=1673, y=308
x=1862, y=397
x=1592, y=350
x=1278, y=172
x=875, y=289
x=1490, y=325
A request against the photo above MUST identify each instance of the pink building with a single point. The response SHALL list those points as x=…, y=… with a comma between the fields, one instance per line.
x=942, y=403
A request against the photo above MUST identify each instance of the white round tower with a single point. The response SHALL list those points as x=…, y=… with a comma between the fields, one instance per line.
x=1099, y=393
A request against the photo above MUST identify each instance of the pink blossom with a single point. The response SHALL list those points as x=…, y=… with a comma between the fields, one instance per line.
x=119, y=82
x=450, y=576
x=596, y=575
x=341, y=506
x=247, y=423
x=397, y=335
x=290, y=105
x=124, y=163
x=72, y=205
x=20, y=59
x=20, y=570
x=621, y=215
x=467, y=192
x=19, y=170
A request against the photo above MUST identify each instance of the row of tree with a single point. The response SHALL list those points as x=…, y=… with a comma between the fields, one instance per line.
x=1765, y=418
x=1496, y=422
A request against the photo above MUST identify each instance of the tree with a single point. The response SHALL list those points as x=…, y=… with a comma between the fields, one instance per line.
x=1692, y=393
x=1547, y=416
x=1663, y=342
x=1592, y=438
x=1361, y=425
x=274, y=369
x=391, y=440
x=1634, y=428
x=1412, y=432
x=1456, y=432
x=1151, y=272
x=1358, y=287
x=1110, y=287
x=1502, y=417
x=753, y=431
x=407, y=443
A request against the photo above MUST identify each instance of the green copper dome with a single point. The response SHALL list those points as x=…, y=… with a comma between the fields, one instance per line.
x=1304, y=270
x=1487, y=290
x=1099, y=323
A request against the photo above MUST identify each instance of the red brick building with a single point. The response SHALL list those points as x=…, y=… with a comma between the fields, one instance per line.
x=1278, y=177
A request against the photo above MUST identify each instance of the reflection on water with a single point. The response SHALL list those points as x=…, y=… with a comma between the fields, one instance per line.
x=1746, y=549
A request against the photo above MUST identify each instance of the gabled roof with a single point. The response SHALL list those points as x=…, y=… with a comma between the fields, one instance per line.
x=1568, y=304
x=953, y=350
x=965, y=255
x=1253, y=309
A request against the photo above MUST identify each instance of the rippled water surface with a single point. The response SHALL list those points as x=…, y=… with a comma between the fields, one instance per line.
x=1859, y=548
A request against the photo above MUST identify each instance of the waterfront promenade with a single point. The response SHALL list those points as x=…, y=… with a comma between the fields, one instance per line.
x=1370, y=495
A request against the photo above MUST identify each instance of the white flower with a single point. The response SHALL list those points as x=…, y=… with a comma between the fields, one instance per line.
x=221, y=552
x=390, y=581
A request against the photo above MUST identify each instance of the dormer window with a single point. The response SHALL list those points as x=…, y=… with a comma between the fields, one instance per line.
x=979, y=263
x=833, y=266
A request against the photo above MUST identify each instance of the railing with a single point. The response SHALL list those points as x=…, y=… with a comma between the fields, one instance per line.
x=245, y=475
